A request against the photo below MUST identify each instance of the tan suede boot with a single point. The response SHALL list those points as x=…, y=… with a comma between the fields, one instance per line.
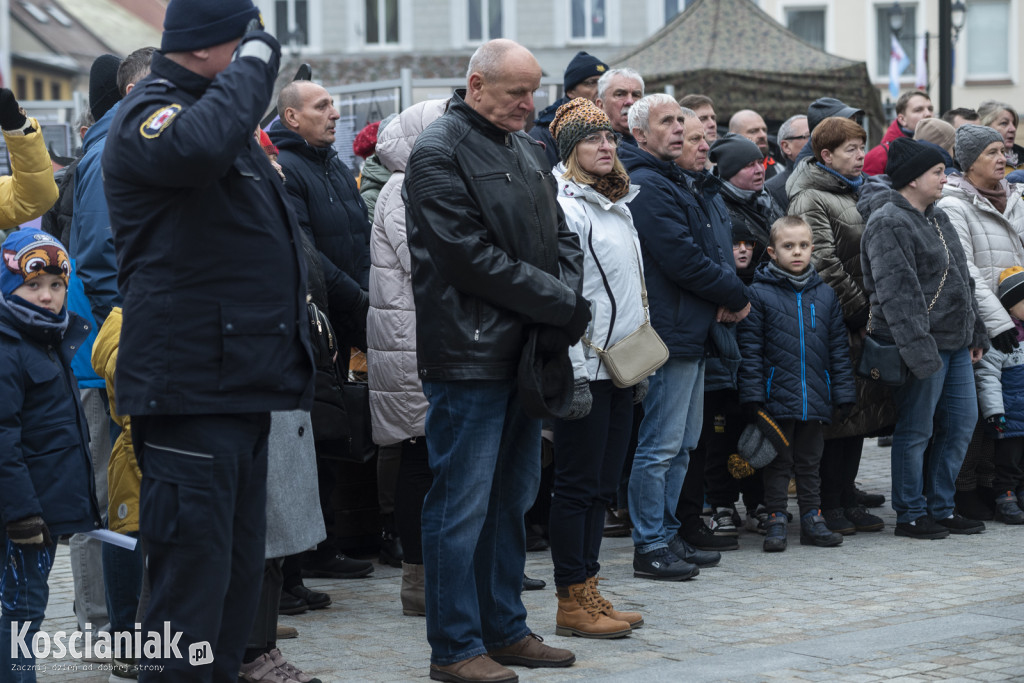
x=414, y=603
x=634, y=619
x=579, y=614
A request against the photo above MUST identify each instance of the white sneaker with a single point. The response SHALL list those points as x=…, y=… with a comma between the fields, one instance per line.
x=722, y=523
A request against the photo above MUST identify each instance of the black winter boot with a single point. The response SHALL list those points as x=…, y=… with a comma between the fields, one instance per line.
x=814, y=532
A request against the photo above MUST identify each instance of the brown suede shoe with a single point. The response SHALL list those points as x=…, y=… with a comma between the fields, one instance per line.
x=479, y=668
x=532, y=652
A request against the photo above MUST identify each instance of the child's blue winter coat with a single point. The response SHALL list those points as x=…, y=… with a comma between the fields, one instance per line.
x=796, y=356
x=45, y=464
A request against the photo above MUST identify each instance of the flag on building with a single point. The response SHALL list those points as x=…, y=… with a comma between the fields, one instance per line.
x=921, y=65
x=898, y=63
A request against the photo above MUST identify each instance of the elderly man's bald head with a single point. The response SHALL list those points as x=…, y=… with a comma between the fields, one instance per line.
x=500, y=83
x=750, y=125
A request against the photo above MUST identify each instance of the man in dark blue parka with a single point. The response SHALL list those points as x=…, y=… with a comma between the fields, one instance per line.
x=215, y=334
x=686, y=238
x=327, y=202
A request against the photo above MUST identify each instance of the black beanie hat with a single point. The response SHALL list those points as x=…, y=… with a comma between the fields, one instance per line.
x=103, y=92
x=582, y=67
x=731, y=152
x=196, y=24
x=909, y=160
x=824, y=107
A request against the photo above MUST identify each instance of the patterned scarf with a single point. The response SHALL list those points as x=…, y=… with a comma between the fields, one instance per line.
x=614, y=186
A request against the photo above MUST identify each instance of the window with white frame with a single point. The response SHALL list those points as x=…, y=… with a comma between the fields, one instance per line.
x=588, y=19
x=382, y=22
x=809, y=24
x=291, y=22
x=907, y=38
x=987, y=28
x=485, y=20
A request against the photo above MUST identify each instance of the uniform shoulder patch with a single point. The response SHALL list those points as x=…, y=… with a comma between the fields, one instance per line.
x=159, y=120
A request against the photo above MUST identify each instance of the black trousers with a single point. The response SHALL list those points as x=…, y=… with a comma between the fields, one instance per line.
x=723, y=424
x=802, y=458
x=202, y=518
x=263, y=636
x=588, y=463
x=1009, y=465
x=414, y=480
x=840, y=462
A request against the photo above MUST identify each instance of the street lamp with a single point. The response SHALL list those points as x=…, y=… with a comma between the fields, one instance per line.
x=896, y=19
x=957, y=17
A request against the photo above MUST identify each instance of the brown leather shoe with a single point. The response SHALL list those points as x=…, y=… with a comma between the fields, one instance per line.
x=532, y=652
x=634, y=619
x=479, y=668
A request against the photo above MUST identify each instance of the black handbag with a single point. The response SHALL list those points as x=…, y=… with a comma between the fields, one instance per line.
x=881, y=360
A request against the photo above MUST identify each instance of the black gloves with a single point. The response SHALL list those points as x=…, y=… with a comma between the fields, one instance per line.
x=843, y=412
x=29, y=531
x=640, y=391
x=579, y=320
x=1005, y=341
x=995, y=425
x=259, y=44
x=11, y=115
x=858, y=319
x=750, y=411
x=582, y=400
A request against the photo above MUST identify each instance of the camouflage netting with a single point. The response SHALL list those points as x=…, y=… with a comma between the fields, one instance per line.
x=741, y=58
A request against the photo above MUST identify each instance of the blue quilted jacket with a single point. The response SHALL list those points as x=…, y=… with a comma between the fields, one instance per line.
x=796, y=356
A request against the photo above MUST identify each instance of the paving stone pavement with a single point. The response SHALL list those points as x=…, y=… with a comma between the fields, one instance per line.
x=878, y=608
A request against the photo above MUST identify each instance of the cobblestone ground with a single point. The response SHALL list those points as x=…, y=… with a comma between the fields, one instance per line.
x=878, y=608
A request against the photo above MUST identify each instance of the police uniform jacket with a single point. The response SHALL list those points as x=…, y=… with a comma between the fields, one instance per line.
x=489, y=247
x=209, y=255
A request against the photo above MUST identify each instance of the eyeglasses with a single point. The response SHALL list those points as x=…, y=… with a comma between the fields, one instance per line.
x=590, y=82
x=743, y=244
x=612, y=139
x=798, y=137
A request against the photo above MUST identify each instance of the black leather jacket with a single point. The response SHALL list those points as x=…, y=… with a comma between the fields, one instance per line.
x=490, y=250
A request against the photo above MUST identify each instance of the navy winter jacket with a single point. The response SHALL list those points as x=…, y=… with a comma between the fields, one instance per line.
x=686, y=239
x=332, y=213
x=541, y=131
x=796, y=356
x=45, y=465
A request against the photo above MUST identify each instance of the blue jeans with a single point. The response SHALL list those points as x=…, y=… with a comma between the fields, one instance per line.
x=122, y=583
x=673, y=413
x=485, y=456
x=23, y=596
x=946, y=400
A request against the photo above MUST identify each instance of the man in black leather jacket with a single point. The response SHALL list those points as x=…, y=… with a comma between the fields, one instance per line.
x=491, y=257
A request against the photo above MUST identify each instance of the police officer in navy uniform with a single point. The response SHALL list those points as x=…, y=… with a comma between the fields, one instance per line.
x=214, y=334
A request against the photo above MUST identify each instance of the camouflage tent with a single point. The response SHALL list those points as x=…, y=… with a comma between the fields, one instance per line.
x=741, y=58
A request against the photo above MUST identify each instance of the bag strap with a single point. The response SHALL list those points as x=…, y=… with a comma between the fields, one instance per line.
x=608, y=288
x=942, y=281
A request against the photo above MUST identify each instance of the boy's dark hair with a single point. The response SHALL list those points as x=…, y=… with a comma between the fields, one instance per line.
x=782, y=224
x=965, y=113
x=831, y=133
x=134, y=68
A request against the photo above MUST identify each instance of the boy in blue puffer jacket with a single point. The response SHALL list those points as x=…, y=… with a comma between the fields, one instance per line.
x=999, y=378
x=46, y=480
x=796, y=368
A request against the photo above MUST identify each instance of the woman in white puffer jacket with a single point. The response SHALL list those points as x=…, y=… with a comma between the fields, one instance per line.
x=398, y=407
